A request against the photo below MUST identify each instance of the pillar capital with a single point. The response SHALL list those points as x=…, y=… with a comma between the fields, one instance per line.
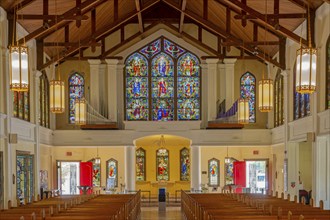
x=112, y=61
x=37, y=74
x=94, y=62
x=212, y=60
x=285, y=73
x=229, y=60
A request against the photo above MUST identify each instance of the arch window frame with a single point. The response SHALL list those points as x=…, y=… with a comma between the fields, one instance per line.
x=209, y=164
x=115, y=162
x=149, y=111
x=44, y=119
x=252, y=102
x=185, y=160
x=166, y=160
x=71, y=109
x=143, y=157
x=21, y=105
x=279, y=99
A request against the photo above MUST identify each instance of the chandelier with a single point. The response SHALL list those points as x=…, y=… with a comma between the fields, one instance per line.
x=19, y=64
x=306, y=64
x=243, y=111
x=80, y=111
x=265, y=85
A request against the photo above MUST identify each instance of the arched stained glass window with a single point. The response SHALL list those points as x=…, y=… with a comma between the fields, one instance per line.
x=162, y=163
x=328, y=74
x=44, y=100
x=214, y=179
x=96, y=173
x=301, y=101
x=184, y=164
x=24, y=178
x=112, y=173
x=278, y=94
x=140, y=164
x=21, y=106
x=229, y=170
x=162, y=71
x=188, y=87
x=162, y=83
x=137, y=88
x=76, y=91
x=248, y=91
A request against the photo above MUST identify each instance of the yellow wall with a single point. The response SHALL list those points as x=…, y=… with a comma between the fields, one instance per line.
x=305, y=164
x=278, y=181
x=174, y=182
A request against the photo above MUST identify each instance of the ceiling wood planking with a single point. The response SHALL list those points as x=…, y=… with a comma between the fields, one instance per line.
x=285, y=32
x=98, y=35
x=78, y=3
x=205, y=9
x=223, y=33
x=41, y=32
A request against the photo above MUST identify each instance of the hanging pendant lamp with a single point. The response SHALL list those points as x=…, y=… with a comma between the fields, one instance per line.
x=80, y=111
x=243, y=111
x=306, y=65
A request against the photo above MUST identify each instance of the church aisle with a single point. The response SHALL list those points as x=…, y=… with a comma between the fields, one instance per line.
x=151, y=213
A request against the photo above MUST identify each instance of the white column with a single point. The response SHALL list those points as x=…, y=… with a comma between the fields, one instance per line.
x=37, y=74
x=94, y=67
x=230, y=81
x=130, y=168
x=285, y=75
x=196, y=179
x=212, y=88
x=103, y=91
x=112, y=88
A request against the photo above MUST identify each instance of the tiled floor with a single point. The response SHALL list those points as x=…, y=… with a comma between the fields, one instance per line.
x=151, y=213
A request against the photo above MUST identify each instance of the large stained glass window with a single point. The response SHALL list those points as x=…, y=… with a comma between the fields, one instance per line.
x=44, y=100
x=229, y=170
x=21, y=106
x=96, y=173
x=214, y=179
x=184, y=164
x=278, y=94
x=140, y=164
x=248, y=91
x=24, y=178
x=162, y=163
x=112, y=173
x=162, y=83
x=301, y=101
x=137, y=88
x=76, y=91
x=328, y=75
x=162, y=88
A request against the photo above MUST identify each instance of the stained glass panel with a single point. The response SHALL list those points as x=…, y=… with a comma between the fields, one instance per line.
x=137, y=109
x=172, y=49
x=162, y=162
x=21, y=107
x=184, y=165
x=248, y=90
x=278, y=94
x=163, y=109
x=44, y=101
x=96, y=174
x=301, y=101
x=112, y=172
x=188, y=65
x=136, y=65
x=76, y=91
x=229, y=170
x=151, y=49
x=24, y=178
x=213, y=165
x=140, y=164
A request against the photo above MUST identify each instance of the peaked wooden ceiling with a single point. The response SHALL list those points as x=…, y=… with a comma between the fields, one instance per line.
x=259, y=28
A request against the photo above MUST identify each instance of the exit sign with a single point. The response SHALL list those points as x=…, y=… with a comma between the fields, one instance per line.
x=68, y=153
x=255, y=152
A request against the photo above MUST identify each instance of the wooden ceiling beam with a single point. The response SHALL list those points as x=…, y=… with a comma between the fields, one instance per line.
x=206, y=9
x=139, y=15
x=93, y=29
x=224, y=34
x=269, y=23
x=78, y=22
x=301, y=3
x=115, y=10
x=252, y=43
x=98, y=35
x=20, y=5
x=48, y=17
x=244, y=23
x=276, y=11
x=45, y=10
x=183, y=8
x=274, y=16
x=41, y=32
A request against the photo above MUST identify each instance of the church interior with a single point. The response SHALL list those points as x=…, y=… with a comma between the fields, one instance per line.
x=147, y=103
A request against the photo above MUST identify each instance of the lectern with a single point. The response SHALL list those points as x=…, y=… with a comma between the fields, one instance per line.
x=162, y=200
